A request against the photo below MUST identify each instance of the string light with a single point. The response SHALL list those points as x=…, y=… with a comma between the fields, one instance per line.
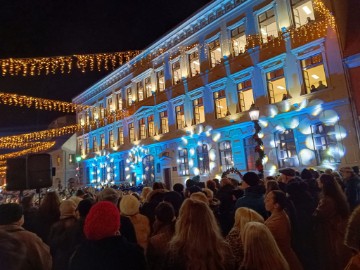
x=40, y=148
x=14, y=145
x=39, y=103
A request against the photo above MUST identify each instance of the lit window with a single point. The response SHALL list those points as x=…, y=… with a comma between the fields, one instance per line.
x=142, y=128
x=194, y=63
x=176, y=72
x=238, y=39
x=325, y=144
x=111, y=138
x=164, y=122
x=80, y=147
x=129, y=96
x=183, y=161
x=203, y=158
x=267, y=25
x=180, y=117
x=303, y=12
x=140, y=91
x=215, y=53
x=95, y=145
x=87, y=117
x=314, y=73
x=120, y=136
x=58, y=161
x=286, y=149
x=250, y=153
x=72, y=158
x=160, y=80
x=151, y=125
x=131, y=132
x=87, y=146
x=109, y=106
x=226, y=157
x=122, y=176
x=199, y=113
x=148, y=88
x=119, y=101
x=102, y=111
x=276, y=85
x=220, y=104
x=102, y=141
x=148, y=170
x=245, y=93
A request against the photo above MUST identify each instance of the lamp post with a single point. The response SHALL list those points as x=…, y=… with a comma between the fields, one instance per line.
x=259, y=148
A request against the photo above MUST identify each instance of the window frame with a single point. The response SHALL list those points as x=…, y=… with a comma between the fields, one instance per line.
x=225, y=154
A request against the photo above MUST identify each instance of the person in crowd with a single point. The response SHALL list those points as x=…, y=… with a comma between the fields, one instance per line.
x=105, y=247
x=129, y=207
x=213, y=202
x=352, y=239
x=331, y=217
x=243, y=215
x=199, y=196
x=30, y=212
x=127, y=229
x=260, y=249
x=352, y=187
x=271, y=185
x=312, y=186
x=144, y=193
x=48, y=214
x=253, y=194
x=153, y=199
x=312, y=88
x=175, y=199
x=339, y=179
x=210, y=184
x=158, y=185
x=287, y=176
x=78, y=196
x=198, y=241
x=37, y=253
x=227, y=206
x=321, y=86
x=82, y=211
x=189, y=184
x=63, y=237
x=12, y=252
x=163, y=231
x=179, y=188
x=279, y=225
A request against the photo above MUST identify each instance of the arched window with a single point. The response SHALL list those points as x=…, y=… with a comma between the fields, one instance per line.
x=148, y=170
x=203, y=158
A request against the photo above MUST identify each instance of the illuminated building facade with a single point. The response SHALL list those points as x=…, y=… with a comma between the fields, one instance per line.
x=180, y=108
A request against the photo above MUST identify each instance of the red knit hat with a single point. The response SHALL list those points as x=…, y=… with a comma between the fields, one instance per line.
x=102, y=221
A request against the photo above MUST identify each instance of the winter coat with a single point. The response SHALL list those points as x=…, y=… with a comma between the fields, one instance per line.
x=254, y=199
x=279, y=225
x=37, y=252
x=354, y=263
x=142, y=229
x=226, y=208
x=127, y=229
x=352, y=191
x=109, y=253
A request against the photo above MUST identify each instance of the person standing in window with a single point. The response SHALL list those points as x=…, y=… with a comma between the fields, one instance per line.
x=321, y=86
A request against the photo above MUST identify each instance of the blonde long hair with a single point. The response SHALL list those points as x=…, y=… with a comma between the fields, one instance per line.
x=244, y=215
x=198, y=239
x=260, y=249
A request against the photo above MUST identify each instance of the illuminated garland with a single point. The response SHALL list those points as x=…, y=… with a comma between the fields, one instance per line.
x=64, y=64
x=14, y=145
x=324, y=12
x=259, y=148
x=43, y=147
x=39, y=103
x=231, y=170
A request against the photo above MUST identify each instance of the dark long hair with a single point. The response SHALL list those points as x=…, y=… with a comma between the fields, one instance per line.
x=332, y=189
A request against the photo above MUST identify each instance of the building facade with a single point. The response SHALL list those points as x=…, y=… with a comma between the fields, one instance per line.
x=180, y=108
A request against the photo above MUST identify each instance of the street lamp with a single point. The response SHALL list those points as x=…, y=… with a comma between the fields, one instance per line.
x=259, y=147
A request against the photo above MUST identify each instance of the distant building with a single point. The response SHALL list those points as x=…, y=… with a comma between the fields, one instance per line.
x=187, y=97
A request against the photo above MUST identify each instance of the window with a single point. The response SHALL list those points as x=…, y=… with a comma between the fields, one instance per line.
x=151, y=125
x=180, y=117
x=80, y=147
x=58, y=161
x=215, y=53
x=164, y=122
x=131, y=132
x=199, y=113
x=238, y=40
x=267, y=25
x=226, y=158
x=148, y=87
x=194, y=63
x=72, y=159
x=148, y=170
x=183, y=161
x=87, y=117
x=140, y=90
x=314, y=73
x=122, y=176
x=95, y=145
x=325, y=143
x=203, y=158
x=129, y=96
x=303, y=12
x=109, y=105
x=220, y=104
x=276, y=85
x=120, y=136
x=142, y=128
x=87, y=146
x=111, y=138
x=102, y=111
x=176, y=72
x=160, y=80
x=102, y=141
x=119, y=101
x=245, y=93
x=250, y=153
x=286, y=149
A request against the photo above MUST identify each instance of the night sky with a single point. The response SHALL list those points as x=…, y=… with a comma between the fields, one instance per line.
x=45, y=28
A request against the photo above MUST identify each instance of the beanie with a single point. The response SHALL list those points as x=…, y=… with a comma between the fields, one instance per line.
x=129, y=205
x=67, y=209
x=9, y=213
x=102, y=221
x=109, y=194
x=251, y=178
x=164, y=212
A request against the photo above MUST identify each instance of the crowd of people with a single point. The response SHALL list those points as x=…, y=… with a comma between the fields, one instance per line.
x=307, y=220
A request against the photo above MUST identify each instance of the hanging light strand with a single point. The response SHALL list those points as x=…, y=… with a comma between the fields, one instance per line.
x=40, y=148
